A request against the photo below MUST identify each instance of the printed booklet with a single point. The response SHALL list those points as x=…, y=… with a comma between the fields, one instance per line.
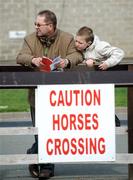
x=49, y=64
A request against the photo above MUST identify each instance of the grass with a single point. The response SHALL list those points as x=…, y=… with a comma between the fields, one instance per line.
x=15, y=100
x=121, y=97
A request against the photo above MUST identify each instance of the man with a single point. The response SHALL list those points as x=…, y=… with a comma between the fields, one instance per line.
x=50, y=42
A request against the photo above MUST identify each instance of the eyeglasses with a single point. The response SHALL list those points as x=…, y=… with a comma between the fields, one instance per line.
x=39, y=25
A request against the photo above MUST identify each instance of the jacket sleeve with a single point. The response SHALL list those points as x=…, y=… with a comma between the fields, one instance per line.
x=25, y=55
x=72, y=54
x=113, y=55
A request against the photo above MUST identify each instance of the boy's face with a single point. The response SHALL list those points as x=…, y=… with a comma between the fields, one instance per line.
x=80, y=43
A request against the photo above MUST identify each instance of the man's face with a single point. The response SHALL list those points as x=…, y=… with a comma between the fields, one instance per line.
x=42, y=28
x=80, y=43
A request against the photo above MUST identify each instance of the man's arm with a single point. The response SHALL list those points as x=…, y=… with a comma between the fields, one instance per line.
x=74, y=57
x=25, y=55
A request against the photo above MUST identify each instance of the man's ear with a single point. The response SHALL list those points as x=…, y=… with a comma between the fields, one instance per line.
x=50, y=26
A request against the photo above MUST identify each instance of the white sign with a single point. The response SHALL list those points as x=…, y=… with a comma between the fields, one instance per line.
x=76, y=123
x=17, y=34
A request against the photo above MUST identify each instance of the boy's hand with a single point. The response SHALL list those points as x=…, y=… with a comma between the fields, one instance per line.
x=90, y=62
x=103, y=66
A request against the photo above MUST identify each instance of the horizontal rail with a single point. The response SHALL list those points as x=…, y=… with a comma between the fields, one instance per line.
x=14, y=159
x=32, y=131
x=19, y=79
x=18, y=131
x=12, y=66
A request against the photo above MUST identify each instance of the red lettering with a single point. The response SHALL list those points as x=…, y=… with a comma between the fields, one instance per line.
x=75, y=97
x=81, y=146
x=68, y=98
x=87, y=122
x=97, y=97
x=88, y=97
x=60, y=99
x=95, y=120
x=57, y=146
x=82, y=97
x=65, y=146
x=86, y=147
x=56, y=122
x=93, y=146
x=76, y=93
x=80, y=125
x=101, y=145
x=75, y=122
x=52, y=101
x=73, y=146
x=64, y=122
x=72, y=121
x=49, y=152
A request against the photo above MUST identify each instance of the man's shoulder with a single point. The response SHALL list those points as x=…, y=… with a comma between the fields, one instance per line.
x=65, y=35
x=31, y=36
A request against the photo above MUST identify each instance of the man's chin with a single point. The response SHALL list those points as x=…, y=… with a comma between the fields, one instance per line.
x=38, y=34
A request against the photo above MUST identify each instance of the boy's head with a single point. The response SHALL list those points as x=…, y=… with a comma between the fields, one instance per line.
x=84, y=38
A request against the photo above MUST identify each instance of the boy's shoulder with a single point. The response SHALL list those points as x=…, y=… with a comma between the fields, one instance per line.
x=101, y=45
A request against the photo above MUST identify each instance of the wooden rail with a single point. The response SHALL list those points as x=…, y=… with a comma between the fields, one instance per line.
x=17, y=159
x=33, y=131
x=121, y=76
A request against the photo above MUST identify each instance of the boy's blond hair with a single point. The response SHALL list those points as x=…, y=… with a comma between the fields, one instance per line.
x=87, y=33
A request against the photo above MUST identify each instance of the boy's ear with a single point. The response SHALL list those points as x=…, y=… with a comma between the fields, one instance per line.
x=89, y=43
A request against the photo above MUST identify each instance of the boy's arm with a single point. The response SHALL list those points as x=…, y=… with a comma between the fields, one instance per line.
x=113, y=55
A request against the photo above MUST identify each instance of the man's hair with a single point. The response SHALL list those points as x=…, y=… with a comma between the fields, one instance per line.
x=50, y=17
x=87, y=33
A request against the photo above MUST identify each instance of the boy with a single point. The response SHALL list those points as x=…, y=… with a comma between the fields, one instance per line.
x=95, y=50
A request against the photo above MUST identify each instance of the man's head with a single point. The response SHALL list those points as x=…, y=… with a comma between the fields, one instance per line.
x=45, y=23
x=84, y=38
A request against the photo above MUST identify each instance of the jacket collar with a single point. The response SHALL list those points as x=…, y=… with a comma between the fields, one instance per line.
x=92, y=46
x=47, y=41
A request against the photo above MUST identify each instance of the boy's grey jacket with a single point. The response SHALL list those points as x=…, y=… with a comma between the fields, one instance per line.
x=103, y=51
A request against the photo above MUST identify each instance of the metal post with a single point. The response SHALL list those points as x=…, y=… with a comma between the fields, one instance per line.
x=130, y=125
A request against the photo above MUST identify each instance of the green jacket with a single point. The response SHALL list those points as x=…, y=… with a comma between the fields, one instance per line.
x=63, y=46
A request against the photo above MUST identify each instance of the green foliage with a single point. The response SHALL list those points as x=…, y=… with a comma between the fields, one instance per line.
x=15, y=100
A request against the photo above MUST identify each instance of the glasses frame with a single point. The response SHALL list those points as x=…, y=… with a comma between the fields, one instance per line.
x=39, y=25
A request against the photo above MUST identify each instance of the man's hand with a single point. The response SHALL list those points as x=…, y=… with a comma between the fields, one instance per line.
x=63, y=63
x=103, y=66
x=37, y=61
